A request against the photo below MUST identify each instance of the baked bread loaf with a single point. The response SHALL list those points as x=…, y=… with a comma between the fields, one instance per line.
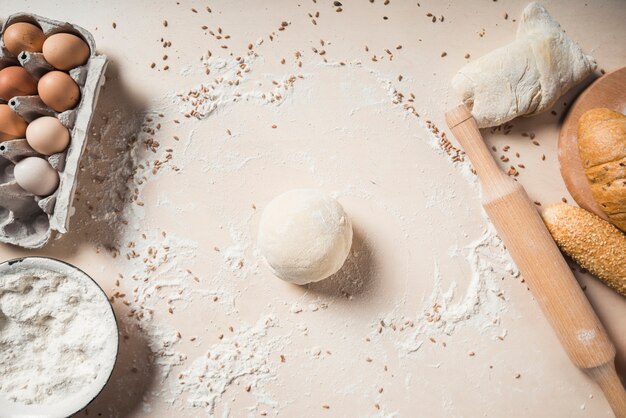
x=592, y=242
x=602, y=148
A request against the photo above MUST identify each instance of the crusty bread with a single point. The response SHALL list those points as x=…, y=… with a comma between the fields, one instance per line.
x=594, y=243
x=602, y=147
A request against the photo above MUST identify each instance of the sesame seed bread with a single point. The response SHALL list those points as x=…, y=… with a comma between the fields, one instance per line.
x=591, y=241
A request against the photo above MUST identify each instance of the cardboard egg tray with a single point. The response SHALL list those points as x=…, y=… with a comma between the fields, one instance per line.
x=27, y=220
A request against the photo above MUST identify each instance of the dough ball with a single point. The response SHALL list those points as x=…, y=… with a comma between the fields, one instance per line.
x=304, y=236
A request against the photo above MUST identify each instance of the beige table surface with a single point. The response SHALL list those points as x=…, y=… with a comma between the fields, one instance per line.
x=427, y=318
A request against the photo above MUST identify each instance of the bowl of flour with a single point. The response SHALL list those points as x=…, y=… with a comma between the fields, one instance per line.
x=58, y=338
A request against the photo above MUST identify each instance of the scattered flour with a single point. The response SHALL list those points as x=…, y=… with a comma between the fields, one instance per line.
x=480, y=306
x=230, y=84
x=241, y=358
x=57, y=336
x=156, y=269
x=483, y=302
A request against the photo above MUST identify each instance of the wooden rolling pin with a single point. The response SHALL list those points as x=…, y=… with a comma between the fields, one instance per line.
x=548, y=276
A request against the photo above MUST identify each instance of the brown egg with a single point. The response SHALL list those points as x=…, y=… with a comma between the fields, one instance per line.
x=47, y=135
x=65, y=51
x=58, y=91
x=23, y=36
x=12, y=126
x=16, y=81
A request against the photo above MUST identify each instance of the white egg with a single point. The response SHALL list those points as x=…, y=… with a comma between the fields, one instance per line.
x=36, y=176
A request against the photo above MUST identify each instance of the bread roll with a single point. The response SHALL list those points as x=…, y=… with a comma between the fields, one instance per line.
x=591, y=241
x=602, y=147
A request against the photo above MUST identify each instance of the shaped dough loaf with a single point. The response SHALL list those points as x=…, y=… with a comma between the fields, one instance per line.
x=526, y=76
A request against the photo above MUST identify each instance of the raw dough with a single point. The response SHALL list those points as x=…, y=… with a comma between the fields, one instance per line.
x=304, y=236
x=526, y=76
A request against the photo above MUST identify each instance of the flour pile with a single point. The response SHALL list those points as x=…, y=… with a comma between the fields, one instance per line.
x=57, y=336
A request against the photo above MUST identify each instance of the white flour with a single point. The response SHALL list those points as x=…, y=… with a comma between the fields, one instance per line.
x=480, y=306
x=241, y=359
x=57, y=336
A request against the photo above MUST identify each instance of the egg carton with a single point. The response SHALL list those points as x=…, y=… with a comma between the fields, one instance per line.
x=27, y=220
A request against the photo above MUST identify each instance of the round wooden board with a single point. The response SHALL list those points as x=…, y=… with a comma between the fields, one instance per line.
x=608, y=91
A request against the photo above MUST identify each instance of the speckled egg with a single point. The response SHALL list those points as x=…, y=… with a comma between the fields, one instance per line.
x=23, y=36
